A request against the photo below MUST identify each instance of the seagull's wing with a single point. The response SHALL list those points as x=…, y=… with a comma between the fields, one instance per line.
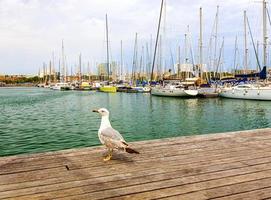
x=111, y=133
x=112, y=138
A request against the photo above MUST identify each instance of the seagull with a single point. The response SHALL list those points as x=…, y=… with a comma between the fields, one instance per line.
x=110, y=137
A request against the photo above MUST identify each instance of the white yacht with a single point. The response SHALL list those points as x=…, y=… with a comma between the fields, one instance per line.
x=61, y=86
x=174, y=90
x=256, y=91
x=142, y=89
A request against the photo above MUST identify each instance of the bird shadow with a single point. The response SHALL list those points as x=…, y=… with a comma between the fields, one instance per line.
x=119, y=156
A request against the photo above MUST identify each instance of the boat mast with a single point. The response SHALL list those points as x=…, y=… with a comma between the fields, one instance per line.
x=50, y=71
x=159, y=64
x=121, y=61
x=254, y=48
x=71, y=75
x=53, y=65
x=216, y=29
x=265, y=37
x=63, y=71
x=44, y=73
x=257, y=52
x=66, y=68
x=185, y=56
x=179, y=62
x=200, y=45
x=235, y=55
x=163, y=42
x=147, y=61
x=219, y=59
x=59, y=70
x=150, y=55
x=89, y=72
x=79, y=71
x=157, y=39
x=107, y=49
x=245, y=43
x=141, y=62
x=134, y=61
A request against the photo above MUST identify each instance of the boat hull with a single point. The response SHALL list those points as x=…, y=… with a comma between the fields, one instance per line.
x=173, y=93
x=61, y=86
x=108, y=89
x=250, y=93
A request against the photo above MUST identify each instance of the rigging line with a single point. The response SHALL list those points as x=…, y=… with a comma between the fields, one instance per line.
x=258, y=62
x=107, y=49
x=210, y=45
x=157, y=38
x=268, y=16
x=220, y=54
x=172, y=60
x=191, y=49
x=235, y=53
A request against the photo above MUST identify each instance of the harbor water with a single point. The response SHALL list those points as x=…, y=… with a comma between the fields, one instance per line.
x=39, y=120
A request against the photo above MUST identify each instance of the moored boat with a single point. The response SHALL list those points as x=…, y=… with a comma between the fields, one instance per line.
x=61, y=86
x=174, y=91
x=141, y=89
x=108, y=88
x=247, y=91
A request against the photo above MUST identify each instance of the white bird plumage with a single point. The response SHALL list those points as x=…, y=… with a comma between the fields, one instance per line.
x=110, y=137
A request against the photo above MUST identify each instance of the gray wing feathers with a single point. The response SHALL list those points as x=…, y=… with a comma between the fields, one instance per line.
x=111, y=133
x=112, y=138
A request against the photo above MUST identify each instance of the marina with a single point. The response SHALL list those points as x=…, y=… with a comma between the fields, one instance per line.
x=135, y=100
x=37, y=120
x=188, y=79
x=228, y=166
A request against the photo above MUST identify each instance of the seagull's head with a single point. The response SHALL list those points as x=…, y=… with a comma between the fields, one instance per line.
x=102, y=111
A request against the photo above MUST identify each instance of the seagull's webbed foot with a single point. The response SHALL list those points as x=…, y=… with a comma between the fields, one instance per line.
x=109, y=156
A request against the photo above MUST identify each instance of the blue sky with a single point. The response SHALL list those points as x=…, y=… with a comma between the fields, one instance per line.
x=30, y=30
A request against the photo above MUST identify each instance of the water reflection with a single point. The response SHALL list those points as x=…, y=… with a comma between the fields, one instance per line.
x=36, y=120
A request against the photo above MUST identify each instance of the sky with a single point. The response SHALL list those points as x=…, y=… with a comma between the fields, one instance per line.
x=32, y=30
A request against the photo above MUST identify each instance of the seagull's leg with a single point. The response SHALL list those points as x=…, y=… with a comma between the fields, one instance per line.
x=109, y=156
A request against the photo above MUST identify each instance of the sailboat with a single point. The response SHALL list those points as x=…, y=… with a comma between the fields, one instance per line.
x=256, y=90
x=170, y=88
x=106, y=87
x=173, y=88
x=205, y=89
x=62, y=85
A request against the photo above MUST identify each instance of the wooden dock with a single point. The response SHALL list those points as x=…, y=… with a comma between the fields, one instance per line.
x=234, y=165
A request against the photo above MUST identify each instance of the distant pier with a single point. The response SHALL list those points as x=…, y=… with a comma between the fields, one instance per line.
x=235, y=165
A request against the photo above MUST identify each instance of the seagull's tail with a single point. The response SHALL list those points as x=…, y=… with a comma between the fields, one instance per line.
x=130, y=150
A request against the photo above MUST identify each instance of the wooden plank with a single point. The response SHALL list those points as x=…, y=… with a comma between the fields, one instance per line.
x=193, y=167
x=136, y=178
x=110, y=169
x=176, y=186
x=42, y=163
x=255, y=195
x=224, y=191
x=158, y=142
x=226, y=163
x=197, y=148
x=60, y=161
x=90, y=186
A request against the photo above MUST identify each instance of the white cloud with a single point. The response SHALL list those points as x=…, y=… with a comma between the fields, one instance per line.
x=31, y=29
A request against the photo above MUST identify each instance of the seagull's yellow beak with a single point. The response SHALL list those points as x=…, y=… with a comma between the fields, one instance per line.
x=95, y=110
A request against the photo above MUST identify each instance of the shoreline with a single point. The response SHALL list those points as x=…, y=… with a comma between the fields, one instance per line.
x=17, y=85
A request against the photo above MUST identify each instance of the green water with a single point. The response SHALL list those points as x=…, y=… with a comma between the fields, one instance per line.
x=39, y=120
